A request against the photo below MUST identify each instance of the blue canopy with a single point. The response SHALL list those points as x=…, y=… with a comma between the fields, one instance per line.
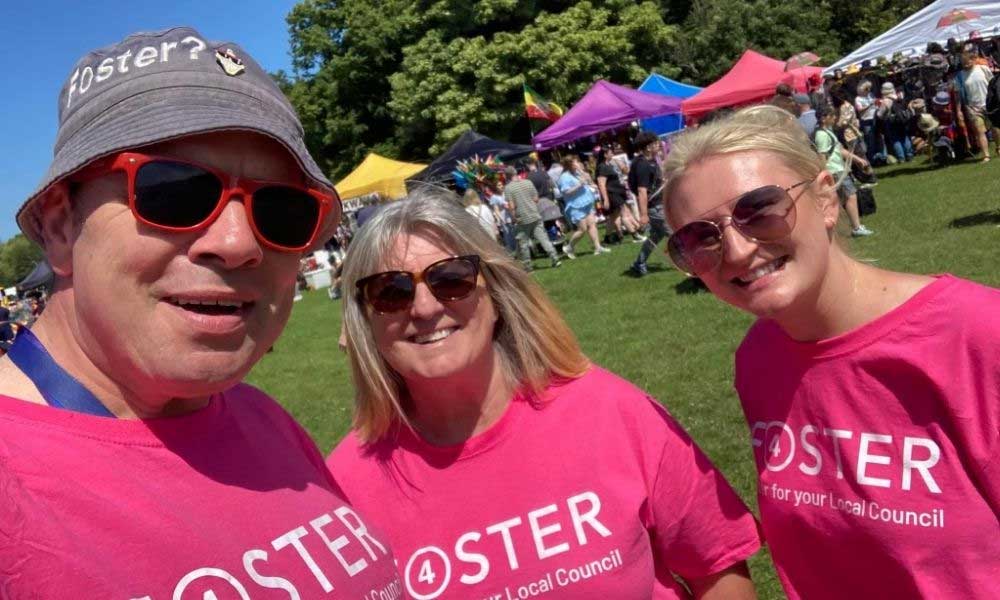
x=658, y=84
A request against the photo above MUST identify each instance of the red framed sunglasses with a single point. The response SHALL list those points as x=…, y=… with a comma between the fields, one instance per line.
x=176, y=195
x=449, y=279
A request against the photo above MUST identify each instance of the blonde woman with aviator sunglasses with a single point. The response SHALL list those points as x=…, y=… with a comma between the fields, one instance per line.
x=872, y=397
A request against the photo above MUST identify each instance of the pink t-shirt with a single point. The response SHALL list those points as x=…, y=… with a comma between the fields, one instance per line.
x=878, y=451
x=594, y=493
x=230, y=502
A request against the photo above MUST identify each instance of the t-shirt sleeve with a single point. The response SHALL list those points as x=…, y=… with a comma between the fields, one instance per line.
x=567, y=182
x=990, y=476
x=645, y=176
x=699, y=525
x=824, y=142
x=980, y=414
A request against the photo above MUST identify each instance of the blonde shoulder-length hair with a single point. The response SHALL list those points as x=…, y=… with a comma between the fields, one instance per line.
x=757, y=128
x=533, y=341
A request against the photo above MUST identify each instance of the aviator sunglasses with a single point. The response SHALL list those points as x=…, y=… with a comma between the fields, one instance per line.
x=764, y=214
x=180, y=196
x=448, y=280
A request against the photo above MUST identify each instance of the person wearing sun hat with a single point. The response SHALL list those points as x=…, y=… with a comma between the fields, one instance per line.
x=895, y=116
x=971, y=85
x=942, y=109
x=133, y=462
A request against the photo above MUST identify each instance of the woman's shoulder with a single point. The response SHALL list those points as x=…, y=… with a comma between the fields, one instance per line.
x=950, y=300
x=607, y=395
x=964, y=304
x=349, y=452
x=594, y=379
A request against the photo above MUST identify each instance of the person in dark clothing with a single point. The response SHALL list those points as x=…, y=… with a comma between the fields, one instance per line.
x=365, y=213
x=6, y=329
x=613, y=198
x=646, y=183
x=540, y=179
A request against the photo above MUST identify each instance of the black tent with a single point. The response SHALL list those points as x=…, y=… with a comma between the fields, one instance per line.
x=40, y=276
x=468, y=145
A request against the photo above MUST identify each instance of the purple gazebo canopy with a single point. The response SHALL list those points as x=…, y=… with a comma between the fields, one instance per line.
x=605, y=106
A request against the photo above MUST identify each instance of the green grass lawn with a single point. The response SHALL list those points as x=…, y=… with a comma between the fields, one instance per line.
x=667, y=336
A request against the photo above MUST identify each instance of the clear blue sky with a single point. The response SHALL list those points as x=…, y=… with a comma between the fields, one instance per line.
x=40, y=41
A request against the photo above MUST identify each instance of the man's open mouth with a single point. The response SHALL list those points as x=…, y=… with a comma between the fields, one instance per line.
x=211, y=307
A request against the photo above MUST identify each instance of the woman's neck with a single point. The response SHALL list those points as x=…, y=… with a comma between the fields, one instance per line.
x=851, y=294
x=449, y=412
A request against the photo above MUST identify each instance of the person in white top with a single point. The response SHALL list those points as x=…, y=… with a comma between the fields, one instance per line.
x=972, y=84
x=475, y=207
x=864, y=104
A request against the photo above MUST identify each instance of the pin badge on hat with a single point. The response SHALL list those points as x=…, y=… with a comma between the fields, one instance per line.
x=229, y=62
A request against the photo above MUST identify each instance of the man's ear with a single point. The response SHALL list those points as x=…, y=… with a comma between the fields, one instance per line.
x=57, y=228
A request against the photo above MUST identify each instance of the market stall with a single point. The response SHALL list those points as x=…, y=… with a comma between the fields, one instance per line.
x=605, y=106
x=752, y=79
x=470, y=144
x=664, y=86
x=936, y=22
x=378, y=175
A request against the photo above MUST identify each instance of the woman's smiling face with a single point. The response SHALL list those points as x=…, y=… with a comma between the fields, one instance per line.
x=766, y=279
x=433, y=339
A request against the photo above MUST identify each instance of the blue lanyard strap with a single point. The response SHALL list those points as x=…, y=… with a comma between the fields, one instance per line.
x=57, y=386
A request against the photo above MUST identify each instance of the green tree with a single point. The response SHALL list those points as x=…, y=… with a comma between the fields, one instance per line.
x=18, y=256
x=857, y=23
x=447, y=86
x=343, y=52
x=717, y=32
x=405, y=77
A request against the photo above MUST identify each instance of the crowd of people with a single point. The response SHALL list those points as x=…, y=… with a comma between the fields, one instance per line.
x=874, y=115
x=549, y=208
x=488, y=456
x=18, y=312
x=889, y=111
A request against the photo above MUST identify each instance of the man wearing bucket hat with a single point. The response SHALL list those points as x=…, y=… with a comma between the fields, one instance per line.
x=133, y=462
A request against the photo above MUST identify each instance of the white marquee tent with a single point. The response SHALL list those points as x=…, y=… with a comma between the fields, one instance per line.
x=936, y=22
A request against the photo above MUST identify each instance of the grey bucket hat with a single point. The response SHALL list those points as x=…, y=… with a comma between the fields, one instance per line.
x=156, y=86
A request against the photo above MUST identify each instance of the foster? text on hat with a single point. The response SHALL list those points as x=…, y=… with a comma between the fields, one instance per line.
x=156, y=86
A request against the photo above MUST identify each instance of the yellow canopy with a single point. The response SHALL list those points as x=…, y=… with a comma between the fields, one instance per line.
x=378, y=174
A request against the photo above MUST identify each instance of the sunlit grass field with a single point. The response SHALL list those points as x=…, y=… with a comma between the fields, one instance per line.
x=670, y=337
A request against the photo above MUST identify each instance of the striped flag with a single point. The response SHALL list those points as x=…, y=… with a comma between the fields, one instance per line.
x=538, y=107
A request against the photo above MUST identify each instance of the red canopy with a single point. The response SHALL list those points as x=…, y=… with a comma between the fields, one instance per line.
x=752, y=79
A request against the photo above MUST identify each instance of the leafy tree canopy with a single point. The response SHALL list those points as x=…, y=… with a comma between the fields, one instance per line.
x=18, y=256
x=406, y=77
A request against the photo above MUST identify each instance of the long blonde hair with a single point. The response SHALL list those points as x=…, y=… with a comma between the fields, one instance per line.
x=757, y=128
x=532, y=339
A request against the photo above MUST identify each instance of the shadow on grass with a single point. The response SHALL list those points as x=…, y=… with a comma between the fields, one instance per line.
x=987, y=217
x=652, y=269
x=923, y=167
x=690, y=285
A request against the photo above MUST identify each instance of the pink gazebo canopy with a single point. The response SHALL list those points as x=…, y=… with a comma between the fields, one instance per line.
x=752, y=79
